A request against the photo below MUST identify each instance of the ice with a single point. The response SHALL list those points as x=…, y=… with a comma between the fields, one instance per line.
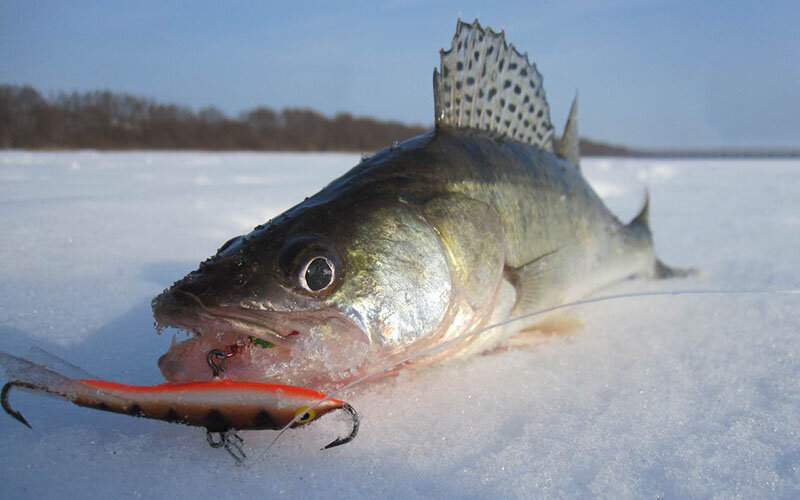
x=671, y=397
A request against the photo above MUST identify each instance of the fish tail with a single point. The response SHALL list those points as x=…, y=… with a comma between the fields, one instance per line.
x=641, y=225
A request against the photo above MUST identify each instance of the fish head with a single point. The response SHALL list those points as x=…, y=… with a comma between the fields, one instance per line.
x=313, y=298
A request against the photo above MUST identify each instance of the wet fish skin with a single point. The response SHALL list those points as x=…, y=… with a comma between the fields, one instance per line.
x=453, y=230
x=468, y=225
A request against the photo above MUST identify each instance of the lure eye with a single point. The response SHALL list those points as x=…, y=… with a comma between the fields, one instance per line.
x=318, y=274
x=308, y=415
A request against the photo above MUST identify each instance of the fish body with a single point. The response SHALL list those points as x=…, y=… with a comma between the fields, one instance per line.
x=478, y=221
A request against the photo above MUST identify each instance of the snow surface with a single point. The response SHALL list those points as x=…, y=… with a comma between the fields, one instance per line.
x=668, y=397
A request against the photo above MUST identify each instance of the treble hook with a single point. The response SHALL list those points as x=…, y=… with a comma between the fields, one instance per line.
x=232, y=443
x=356, y=422
x=220, y=355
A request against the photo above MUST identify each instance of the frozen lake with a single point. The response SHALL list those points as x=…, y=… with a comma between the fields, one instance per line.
x=668, y=397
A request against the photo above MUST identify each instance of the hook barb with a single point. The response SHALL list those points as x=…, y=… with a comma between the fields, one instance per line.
x=356, y=423
x=221, y=356
x=4, y=400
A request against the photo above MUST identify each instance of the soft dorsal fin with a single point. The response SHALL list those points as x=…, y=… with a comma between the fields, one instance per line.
x=569, y=145
x=486, y=84
x=643, y=218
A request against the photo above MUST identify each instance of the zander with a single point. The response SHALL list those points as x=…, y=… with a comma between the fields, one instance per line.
x=480, y=220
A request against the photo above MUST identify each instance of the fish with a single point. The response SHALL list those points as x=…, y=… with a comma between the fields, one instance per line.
x=484, y=218
x=221, y=406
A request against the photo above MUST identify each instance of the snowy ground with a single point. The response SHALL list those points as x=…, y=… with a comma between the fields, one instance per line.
x=668, y=397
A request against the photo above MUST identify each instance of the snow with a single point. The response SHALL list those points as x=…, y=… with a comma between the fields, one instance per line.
x=677, y=396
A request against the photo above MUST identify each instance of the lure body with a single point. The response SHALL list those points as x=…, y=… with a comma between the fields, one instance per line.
x=220, y=406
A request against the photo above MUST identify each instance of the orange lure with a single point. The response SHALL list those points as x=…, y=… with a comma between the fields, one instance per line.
x=221, y=406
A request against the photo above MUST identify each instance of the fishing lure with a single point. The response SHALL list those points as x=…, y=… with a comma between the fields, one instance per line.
x=221, y=406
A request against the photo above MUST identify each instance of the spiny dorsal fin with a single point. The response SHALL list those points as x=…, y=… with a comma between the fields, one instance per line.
x=569, y=145
x=486, y=84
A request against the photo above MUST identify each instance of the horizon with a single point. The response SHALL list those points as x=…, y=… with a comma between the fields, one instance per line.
x=655, y=75
x=215, y=117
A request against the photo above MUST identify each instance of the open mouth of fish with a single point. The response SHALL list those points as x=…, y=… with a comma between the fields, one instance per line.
x=301, y=348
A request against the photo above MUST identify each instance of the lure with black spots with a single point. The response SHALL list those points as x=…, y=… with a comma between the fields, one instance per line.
x=220, y=406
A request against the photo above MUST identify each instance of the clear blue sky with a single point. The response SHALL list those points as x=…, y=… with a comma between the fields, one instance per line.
x=656, y=73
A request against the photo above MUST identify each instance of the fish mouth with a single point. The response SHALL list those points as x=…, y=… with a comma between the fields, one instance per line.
x=309, y=348
x=204, y=320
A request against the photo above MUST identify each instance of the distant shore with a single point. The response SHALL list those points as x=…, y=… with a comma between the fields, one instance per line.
x=109, y=121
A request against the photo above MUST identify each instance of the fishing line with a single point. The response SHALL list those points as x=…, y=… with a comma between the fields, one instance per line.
x=591, y=300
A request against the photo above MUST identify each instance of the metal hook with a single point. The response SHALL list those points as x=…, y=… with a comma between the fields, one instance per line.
x=210, y=439
x=220, y=355
x=232, y=443
x=4, y=399
x=356, y=422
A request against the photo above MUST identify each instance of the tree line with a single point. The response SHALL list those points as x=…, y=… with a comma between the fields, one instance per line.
x=110, y=120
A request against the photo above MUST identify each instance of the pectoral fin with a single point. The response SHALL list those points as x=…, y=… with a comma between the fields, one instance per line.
x=538, y=283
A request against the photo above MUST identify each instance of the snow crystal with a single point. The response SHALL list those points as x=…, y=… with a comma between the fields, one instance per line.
x=679, y=396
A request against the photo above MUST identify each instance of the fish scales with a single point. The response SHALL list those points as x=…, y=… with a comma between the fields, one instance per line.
x=530, y=203
x=480, y=220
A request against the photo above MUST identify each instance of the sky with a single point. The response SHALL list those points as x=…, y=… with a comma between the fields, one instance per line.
x=650, y=73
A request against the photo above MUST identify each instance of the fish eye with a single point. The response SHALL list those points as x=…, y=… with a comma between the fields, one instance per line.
x=311, y=264
x=318, y=274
